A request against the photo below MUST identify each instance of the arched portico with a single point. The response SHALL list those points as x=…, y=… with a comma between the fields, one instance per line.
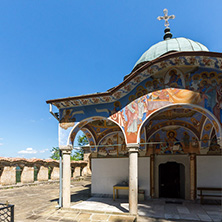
x=194, y=121
x=105, y=138
x=177, y=132
x=174, y=83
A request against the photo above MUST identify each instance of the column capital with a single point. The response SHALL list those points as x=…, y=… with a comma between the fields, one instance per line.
x=66, y=149
x=192, y=156
x=133, y=147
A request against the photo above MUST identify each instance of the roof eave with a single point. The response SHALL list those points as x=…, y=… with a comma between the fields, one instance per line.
x=136, y=71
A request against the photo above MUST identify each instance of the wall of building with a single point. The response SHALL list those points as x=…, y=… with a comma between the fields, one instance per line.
x=106, y=172
x=144, y=175
x=209, y=171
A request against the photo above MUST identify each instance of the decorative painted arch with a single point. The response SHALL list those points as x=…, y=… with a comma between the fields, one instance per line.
x=78, y=126
x=200, y=109
x=113, y=145
x=90, y=138
x=100, y=141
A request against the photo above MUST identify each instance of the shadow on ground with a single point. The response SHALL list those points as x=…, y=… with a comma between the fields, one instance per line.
x=82, y=194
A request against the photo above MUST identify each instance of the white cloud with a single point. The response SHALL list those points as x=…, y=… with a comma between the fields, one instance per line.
x=43, y=151
x=1, y=138
x=1, y=144
x=27, y=151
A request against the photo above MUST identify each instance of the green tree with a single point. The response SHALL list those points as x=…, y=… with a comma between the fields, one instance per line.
x=76, y=154
x=55, y=153
x=82, y=141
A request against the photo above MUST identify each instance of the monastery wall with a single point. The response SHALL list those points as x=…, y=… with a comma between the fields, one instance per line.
x=209, y=171
x=108, y=172
x=20, y=170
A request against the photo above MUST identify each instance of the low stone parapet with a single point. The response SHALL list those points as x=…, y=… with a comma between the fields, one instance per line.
x=21, y=170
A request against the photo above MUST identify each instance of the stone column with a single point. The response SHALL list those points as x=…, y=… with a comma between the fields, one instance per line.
x=133, y=177
x=152, y=179
x=192, y=176
x=66, y=182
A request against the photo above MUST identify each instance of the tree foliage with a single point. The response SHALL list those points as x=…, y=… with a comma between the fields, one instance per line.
x=76, y=154
x=55, y=153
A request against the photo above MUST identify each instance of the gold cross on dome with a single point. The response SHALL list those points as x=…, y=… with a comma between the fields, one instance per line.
x=166, y=17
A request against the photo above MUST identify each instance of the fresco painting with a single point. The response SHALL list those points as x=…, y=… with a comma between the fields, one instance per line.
x=67, y=119
x=214, y=147
x=143, y=146
x=91, y=139
x=173, y=140
x=190, y=65
x=112, y=145
x=134, y=114
x=201, y=87
x=179, y=130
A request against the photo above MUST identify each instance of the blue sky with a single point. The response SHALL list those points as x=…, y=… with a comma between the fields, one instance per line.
x=58, y=48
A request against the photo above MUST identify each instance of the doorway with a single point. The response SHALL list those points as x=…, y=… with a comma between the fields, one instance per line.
x=172, y=180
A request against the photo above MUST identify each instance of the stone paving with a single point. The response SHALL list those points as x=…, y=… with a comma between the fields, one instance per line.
x=38, y=203
x=40, y=198
x=156, y=208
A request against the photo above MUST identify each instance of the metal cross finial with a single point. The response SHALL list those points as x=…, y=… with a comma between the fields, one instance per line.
x=166, y=17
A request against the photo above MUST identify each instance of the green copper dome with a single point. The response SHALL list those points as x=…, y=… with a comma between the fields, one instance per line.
x=170, y=45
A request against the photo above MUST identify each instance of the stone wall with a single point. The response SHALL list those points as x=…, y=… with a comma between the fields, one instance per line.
x=7, y=175
x=20, y=170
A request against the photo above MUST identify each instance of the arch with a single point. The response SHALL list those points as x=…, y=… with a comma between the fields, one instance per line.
x=82, y=123
x=202, y=110
x=108, y=134
x=90, y=137
x=112, y=144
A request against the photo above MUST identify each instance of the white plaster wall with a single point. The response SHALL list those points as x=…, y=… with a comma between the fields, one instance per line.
x=209, y=171
x=144, y=175
x=108, y=172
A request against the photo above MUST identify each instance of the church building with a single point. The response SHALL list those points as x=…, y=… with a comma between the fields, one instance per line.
x=160, y=130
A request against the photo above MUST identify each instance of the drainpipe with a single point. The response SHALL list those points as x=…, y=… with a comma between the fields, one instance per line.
x=54, y=114
x=60, y=161
x=60, y=178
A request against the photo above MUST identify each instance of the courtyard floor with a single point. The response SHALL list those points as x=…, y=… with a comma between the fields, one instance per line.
x=38, y=203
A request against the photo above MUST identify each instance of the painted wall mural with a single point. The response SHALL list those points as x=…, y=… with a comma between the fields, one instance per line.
x=203, y=62
x=185, y=85
x=112, y=145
